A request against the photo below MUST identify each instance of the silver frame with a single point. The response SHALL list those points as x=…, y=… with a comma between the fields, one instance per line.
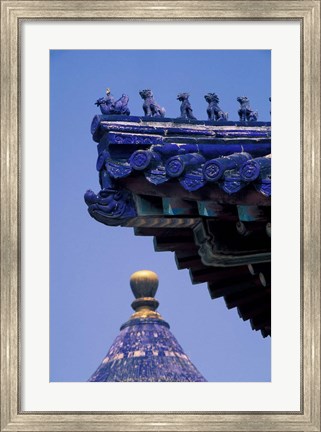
x=307, y=12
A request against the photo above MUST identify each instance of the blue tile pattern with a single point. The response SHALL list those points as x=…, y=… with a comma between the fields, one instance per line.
x=187, y=150
x=228, y=157
x=146, y=351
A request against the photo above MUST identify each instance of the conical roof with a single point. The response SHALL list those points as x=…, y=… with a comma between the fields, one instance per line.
x=145, y=349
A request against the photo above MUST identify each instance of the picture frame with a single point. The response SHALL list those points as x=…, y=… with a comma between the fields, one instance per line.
x=13, y=13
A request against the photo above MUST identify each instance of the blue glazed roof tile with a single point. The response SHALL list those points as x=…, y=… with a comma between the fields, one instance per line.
x=146, y=351
x=224, y=161
x=192, y=152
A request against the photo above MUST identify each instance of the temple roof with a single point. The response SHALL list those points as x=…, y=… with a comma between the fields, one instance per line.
x=145, y=349
x=202, y=189
x=230, y=156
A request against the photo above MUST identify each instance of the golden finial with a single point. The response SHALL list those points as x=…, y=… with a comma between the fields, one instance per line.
x=107, y=91
x=144, y=284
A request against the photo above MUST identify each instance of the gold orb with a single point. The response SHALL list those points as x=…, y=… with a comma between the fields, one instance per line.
x=144, y=283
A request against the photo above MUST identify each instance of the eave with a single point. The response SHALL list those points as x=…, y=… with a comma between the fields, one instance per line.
x=202, y=190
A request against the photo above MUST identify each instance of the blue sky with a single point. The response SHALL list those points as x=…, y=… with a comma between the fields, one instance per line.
x=90, y=263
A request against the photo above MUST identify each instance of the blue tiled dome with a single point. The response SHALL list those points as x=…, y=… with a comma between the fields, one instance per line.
x=145, y=349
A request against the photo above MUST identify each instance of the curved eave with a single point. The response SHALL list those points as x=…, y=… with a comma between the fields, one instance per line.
x=202, y=190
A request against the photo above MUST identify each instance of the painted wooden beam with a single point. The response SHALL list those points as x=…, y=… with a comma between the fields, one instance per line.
x=148, y=205
x=254, y=308
x=254, y=292
x=176, y=206
x=210, y=192
x=191, y=261
x=246, y=229
x=163, y=244
x=215, y=210
x=255, y=269
x=265, y=278
x=217, y=275
x=254, y=213
x=261, y=321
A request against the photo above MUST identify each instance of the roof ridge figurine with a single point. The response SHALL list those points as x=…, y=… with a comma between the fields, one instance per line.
x=214, y=112
x=245, y=112
x=105, y=103
x=121, y=105
x=186, y=107
x=108, y=105
x=150, y=106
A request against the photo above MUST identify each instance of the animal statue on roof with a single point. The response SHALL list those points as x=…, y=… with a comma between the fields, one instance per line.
x=245, y=112
x=121, y=106
x=108, y=105
x=150, y=106
x=186, y=107
x=214, y=112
